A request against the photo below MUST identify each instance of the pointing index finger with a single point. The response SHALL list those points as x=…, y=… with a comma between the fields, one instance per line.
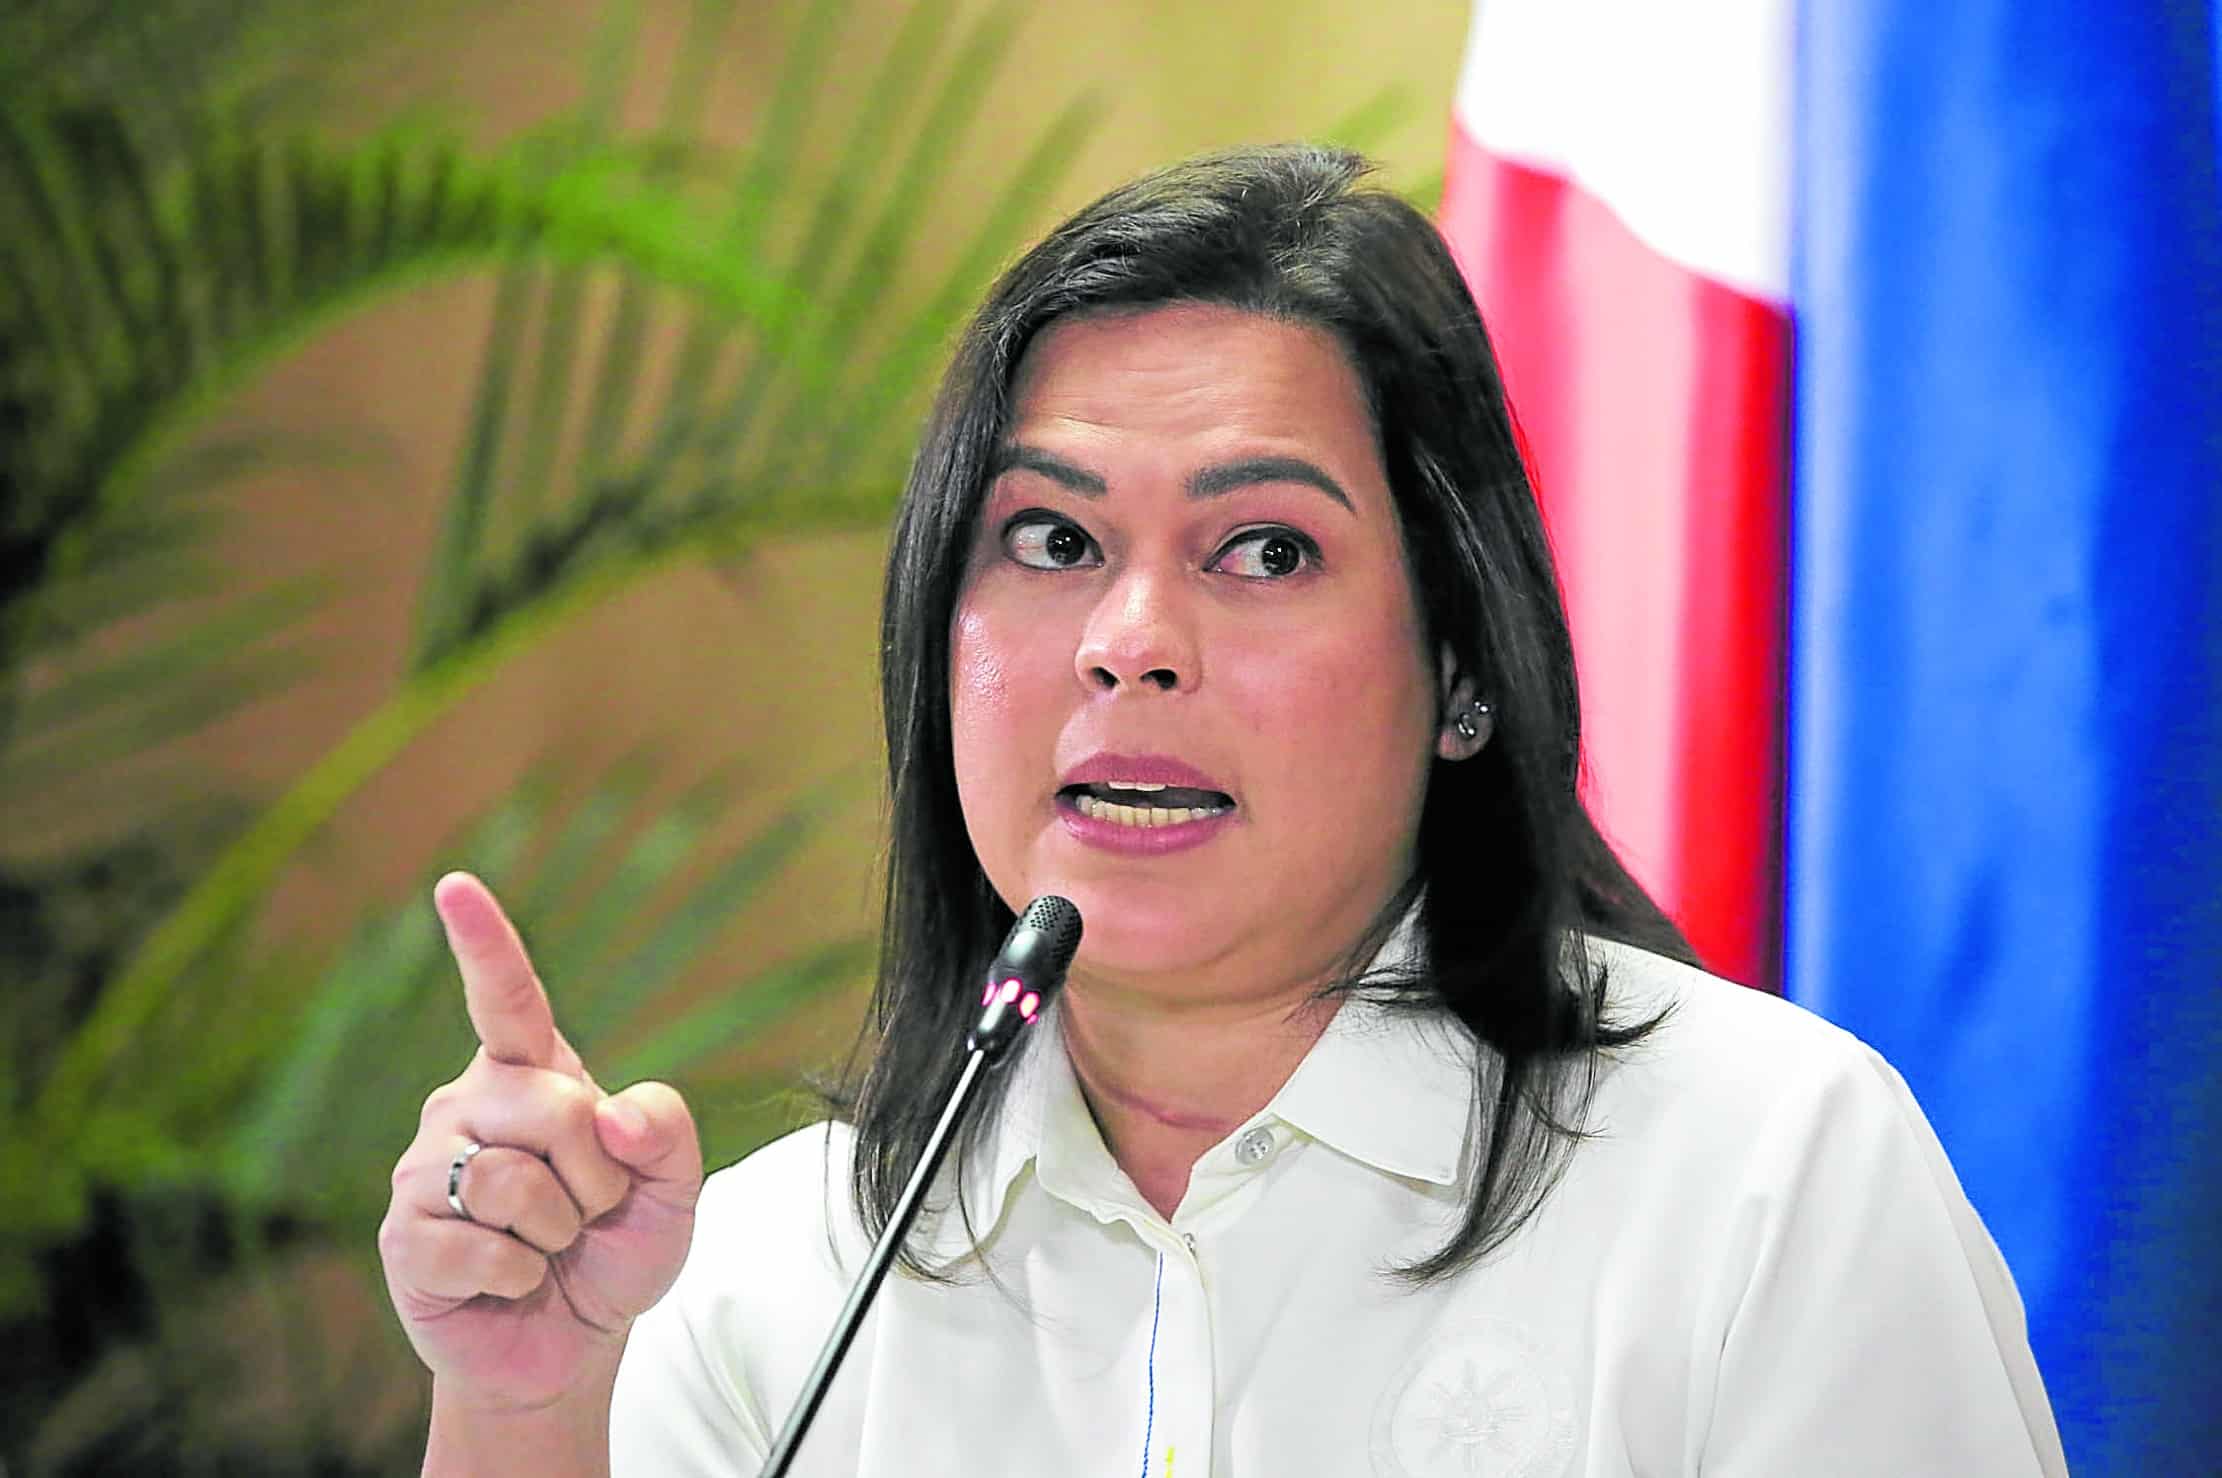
x=509, y=1009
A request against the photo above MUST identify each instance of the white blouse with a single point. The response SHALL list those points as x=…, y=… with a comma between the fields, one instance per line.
x=1761, y=1265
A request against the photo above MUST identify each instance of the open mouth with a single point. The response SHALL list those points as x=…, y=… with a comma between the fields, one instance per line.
x=1135, y=803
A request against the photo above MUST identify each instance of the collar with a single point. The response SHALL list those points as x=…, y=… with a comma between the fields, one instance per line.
x=1391, y=1087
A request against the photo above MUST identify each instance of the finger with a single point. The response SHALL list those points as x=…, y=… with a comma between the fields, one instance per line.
x=649, y=1129
x=539, y=1112
x=447, y=1259
x=509, y=1009
x=515, y=1192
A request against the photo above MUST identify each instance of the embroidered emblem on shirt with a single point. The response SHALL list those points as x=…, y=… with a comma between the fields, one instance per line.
x=1477, y=1402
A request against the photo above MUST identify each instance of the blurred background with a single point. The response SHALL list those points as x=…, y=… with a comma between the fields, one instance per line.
x=444, y=433
x=451, y=433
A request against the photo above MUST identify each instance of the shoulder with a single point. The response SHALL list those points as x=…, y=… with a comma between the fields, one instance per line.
x=786, y=1204
x=803, y=1160
x=1818, y=1226
x=1763, y=1104
x=1722, y=1049
x=774, y=1247
x=1756, y=1103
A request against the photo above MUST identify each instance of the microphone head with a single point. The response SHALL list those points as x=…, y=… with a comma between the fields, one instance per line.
x=1027, y=972
x=1051, y=925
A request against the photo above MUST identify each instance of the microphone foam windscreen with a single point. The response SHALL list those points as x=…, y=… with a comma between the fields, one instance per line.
x=1060, y=922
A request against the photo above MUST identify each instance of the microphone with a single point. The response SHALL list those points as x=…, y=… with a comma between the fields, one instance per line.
x=1025, y=974
x=1028, y=970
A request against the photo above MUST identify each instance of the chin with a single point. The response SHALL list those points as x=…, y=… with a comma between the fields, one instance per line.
x=1130, y=930
x=1133, y=954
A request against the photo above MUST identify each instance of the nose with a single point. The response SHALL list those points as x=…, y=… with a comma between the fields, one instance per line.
x=1139, y=635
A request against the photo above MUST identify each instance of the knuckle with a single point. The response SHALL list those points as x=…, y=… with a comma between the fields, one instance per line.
x=516, y=1269
x=440, y=1104
x=392, y=1239
x=565, y=1228
x=575, y=1108
x=551, y=1225
x=596, y=1185
x=488, y=1258
x=603, y=1197
x=497, y=1188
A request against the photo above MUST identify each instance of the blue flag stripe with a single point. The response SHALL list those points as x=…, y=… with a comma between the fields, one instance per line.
x=2004, y=862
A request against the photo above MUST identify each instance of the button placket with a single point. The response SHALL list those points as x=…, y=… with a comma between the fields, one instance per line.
x=1187, y=1374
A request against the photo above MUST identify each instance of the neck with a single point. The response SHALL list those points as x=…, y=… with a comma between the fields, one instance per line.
x=1167, y=1081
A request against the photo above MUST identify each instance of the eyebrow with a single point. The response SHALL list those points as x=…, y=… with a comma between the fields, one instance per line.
x=1210, y=482
x=1018, y=454
x=1206, y=482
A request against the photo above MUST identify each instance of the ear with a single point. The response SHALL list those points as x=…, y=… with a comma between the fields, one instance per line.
x=1459, y=700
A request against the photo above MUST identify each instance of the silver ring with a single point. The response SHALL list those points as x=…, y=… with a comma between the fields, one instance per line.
x=455, y=1168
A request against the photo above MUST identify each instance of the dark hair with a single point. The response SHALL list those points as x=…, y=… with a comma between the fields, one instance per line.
x=1512, y=874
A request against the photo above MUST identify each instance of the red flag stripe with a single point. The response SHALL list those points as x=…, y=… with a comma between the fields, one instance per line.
x=1653, y=403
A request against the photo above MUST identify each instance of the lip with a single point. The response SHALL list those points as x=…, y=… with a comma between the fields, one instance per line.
x=1140, y=841
x=1150, y=769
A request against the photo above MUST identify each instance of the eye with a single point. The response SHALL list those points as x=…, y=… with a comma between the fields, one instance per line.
x=1266, y=554
x=1042, y=541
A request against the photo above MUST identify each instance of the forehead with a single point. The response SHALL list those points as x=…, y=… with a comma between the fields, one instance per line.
x=1193, y=370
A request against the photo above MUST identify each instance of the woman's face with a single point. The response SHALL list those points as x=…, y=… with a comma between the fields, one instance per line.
x=1189, y=688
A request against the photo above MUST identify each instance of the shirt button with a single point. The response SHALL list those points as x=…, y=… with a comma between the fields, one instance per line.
x=1253, y=1147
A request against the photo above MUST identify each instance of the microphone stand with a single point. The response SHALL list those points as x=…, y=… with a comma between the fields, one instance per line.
x=1027, y=972
x=875, y=1268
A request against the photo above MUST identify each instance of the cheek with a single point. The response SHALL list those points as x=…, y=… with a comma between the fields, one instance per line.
x=1360, y=698
x=979, y=673
x=998, y=708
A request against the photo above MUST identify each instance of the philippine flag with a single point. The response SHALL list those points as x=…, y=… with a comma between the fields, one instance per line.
x=1869, y=357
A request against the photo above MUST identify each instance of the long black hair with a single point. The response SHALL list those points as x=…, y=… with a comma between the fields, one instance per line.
x=1512, y=875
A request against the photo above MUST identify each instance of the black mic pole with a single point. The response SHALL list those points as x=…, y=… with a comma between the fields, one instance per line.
x=1025, y=975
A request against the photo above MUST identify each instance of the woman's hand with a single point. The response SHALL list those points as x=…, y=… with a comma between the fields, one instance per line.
x=581, y=1203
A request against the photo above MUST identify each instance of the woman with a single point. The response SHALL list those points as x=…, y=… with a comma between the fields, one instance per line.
x=1384, y=1127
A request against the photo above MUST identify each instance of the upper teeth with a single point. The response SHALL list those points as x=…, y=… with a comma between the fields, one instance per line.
x=1103, y=810
x=1133, y=785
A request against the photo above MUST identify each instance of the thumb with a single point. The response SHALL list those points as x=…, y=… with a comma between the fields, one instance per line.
x=648, y=1129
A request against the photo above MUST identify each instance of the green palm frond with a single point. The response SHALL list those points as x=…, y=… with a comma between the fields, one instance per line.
x=68, y=732
x=708, y=456
x=687, y=355
x=143, y=291
x=909, y=188
x=324, y=1116
x=133, y=299
x=917, y=344
x=136, y=298
x=165, y=63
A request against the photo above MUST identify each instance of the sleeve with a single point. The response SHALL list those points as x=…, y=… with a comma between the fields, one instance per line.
x=673, y=1412
x=1867, y=1322
x=709, y=1371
